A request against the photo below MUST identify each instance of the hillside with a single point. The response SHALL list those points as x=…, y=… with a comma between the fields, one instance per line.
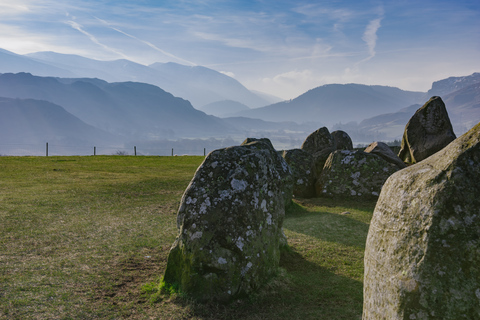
x=223, y=108
x=452, y=84
x=335, y=103
x=132, y=110
x=199, y=85
x=35, y=122
x=461, y=96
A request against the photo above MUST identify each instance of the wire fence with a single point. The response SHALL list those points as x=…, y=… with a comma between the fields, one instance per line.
x=63, y=150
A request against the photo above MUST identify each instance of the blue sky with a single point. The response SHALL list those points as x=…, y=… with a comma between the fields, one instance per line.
x=282, y=47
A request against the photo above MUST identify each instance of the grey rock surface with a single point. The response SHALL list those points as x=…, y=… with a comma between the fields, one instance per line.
x=353, y=174
x=422, y=257
x=320, y=144
x=302, y=166
x=381, y=149
x=428, y=131
x=230, y=224
x=342, y=140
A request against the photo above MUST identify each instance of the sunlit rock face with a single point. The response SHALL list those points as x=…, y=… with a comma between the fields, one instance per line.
x=428, y=131
x=422, y=257
x=230, y=224
x=353, y=174
x=302, y=166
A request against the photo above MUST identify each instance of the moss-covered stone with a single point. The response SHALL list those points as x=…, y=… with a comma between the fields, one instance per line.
x=230, y=224
x=428, y=131
x=342, y=140
x=422, y=257
x=382, y=150
x=301, y=164
x=353, y=174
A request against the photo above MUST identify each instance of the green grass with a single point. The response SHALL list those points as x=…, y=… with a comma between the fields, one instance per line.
x=86, y=237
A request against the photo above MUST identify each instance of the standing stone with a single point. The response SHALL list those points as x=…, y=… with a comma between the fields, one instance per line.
x=342, y=140
x=383, y=150
x=301, y=164
x=230, y=224
x=353, y=174
x=280, y=165
x=422, y=257
x=320, y=144
x=428, y=131
x=318, y=141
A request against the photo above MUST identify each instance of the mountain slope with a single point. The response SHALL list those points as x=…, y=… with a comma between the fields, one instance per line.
x=335, y=103
x=134, y=110
x=29, y=121
x=197, y=84
x=223, y=108
x=463, y=107
x=452, y=84
x=12, y=63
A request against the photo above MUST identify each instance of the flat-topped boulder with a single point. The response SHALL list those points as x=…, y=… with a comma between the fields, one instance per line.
x=353, y=174
x=428, y=131
x=422, y=257
x=230, y=224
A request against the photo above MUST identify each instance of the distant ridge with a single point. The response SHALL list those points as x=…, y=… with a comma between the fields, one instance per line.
x=29, y=121
x=199, y=85
x=129, y=109
x=334, y=103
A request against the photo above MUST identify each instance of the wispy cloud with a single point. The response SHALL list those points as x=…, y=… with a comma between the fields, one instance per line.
x=151, y=45
x=79, y=28
x=370, y=36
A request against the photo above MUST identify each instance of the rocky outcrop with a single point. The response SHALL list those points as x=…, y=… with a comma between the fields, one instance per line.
x=342, y=140
x=301, y=164
x=382, y=150
x=320, y=144
x=428, y=131
x=353, y=173
x=230, y=224
x=422, y=257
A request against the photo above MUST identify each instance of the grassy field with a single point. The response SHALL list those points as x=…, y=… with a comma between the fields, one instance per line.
x=81, y=236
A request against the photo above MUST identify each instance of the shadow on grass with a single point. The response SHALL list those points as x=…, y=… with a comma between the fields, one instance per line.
x=303, y=290
x=329, y=226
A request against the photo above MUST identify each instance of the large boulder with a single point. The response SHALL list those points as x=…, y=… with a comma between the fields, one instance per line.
x=381, y=149
x=342, y=140
x=230, y=224
x=353, y=174
x=319, y=140
x=301, y=164
x=280, y=165
x=320, y=144
x=422, y=257
x=428, y=131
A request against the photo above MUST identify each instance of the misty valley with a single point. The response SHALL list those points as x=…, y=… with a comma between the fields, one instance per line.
x=75, y=104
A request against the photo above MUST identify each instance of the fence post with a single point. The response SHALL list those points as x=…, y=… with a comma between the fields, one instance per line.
x=204, y=152
x=94, y=151
x=46, y=150
x=135, y=150
x=172, y=152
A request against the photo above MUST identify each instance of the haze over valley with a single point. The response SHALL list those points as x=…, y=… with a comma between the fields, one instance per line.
x=205, y=76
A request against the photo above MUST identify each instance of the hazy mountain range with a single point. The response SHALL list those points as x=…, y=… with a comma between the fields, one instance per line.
x=333, y=103
x=197, y=84
x=130, y=110
x=98, y=107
